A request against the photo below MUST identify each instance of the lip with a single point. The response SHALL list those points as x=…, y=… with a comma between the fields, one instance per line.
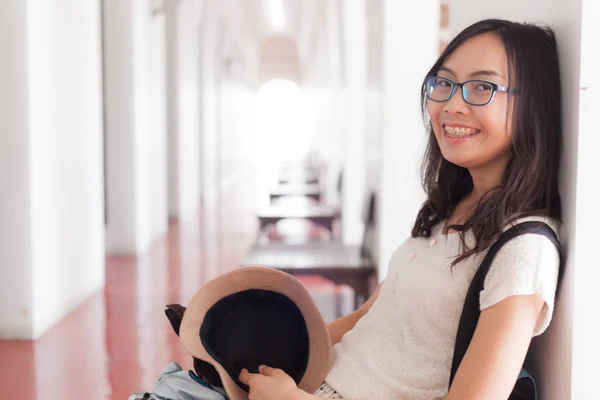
x=457, y=125
x=457, y=139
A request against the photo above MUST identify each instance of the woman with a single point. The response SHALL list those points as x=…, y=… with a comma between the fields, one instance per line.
x=492, y=105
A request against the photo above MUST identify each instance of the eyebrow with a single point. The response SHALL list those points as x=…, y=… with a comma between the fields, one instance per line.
x=487, y=72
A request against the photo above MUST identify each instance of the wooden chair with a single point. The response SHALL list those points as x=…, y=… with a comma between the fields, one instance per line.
x=350, y=265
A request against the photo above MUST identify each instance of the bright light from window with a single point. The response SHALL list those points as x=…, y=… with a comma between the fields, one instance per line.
x=276, y=14
x=284, y=127
x=283, y=118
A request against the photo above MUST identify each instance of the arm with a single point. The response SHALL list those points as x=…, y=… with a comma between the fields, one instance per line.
x=497, y=351
x=274, y=384
x=340, y=326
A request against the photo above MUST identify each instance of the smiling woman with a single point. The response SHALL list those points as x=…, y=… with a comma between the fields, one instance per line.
x=472, y=137
x=503, y=129
x=492, y=106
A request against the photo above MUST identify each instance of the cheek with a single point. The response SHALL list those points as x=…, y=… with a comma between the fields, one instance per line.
x=434, y=109
x=494, y=121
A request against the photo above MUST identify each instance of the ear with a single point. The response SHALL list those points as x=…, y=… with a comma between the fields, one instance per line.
x=175, y=313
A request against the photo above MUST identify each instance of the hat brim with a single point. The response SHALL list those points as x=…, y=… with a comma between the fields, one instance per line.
x=245, y=278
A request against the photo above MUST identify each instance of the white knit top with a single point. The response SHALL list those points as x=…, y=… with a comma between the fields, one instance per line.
x=402, y=348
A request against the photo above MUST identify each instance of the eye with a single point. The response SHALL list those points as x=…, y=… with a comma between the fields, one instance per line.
x=443, y=83
x=483, y=86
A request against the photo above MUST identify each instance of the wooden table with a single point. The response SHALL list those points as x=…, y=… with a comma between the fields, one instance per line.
x=332, y=260
x=299, y=177
x=320, y=214
x=312, y=191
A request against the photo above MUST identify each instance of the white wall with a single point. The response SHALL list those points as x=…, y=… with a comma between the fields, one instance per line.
x=323, y=79
x=228, y=136
x=54, y=235
x=184, y=106
x=119, y=126
x=586, y=322
x=211, y=42
x=16, y=283
x=373, y=106
x=405, y=63
x=172, y=52
x=354, y=39
x=136, y=126
x=150, y=124
x=562, y=357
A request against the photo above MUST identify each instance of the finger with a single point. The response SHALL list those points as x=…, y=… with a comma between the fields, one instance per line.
x=245, y=376
x=265, y=370
x=269, y=371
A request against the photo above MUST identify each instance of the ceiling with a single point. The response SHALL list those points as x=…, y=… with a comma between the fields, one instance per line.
x=258, y=20
x=278, y=38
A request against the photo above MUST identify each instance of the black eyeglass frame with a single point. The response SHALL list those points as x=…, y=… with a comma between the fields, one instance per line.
x=495, y=88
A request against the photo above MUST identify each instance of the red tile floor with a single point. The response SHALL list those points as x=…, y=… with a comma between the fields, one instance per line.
x=119, y=340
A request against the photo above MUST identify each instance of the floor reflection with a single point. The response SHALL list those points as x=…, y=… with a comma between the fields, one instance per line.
x=119, y=341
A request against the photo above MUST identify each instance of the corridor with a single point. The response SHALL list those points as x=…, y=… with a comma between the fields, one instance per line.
x=149, y=146
x=119, y=340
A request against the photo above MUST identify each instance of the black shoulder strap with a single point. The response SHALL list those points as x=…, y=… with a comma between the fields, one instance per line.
x=202, y=368
x=470, y=313
x=175, y=313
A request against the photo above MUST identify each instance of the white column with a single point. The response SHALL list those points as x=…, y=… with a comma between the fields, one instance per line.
x=119, y=127
x=584, y=222
x=564, y=358
x=184, y=111
x=16, y=268
x=135, y=99
x=51, y=208
x=410, y=47
x=211, y=40
x=373, y=107
x=354, y=28
x=172, y=47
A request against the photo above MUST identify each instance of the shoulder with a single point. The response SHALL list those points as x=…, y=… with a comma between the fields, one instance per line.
x=551, y=222
x=530, y=249
x=529, y=246
x=527, y=264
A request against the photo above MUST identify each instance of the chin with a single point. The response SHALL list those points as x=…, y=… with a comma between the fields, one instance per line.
x=459, y=160
x=463, y=164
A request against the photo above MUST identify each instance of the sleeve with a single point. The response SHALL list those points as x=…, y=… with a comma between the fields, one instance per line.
x=525, y=265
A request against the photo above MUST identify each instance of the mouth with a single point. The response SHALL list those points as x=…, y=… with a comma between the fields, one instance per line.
x=460, y=132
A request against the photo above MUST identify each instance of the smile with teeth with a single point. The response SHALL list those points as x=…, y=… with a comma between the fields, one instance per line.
x=460, y=132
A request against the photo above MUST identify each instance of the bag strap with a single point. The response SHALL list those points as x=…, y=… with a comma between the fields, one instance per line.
x=471, y=310
x=174, y=313
x=209, y=374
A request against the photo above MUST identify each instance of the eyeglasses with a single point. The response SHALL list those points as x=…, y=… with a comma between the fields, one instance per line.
x=474, y=92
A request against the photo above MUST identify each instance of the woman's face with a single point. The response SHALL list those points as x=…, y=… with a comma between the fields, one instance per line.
x=474, y=137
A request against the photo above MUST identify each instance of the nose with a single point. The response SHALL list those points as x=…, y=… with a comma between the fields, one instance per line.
x=456, y=104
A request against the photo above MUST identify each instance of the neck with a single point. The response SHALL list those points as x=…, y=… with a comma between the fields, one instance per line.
x=485, y=179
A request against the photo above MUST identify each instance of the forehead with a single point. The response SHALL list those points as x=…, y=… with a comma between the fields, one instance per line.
x=480, y=53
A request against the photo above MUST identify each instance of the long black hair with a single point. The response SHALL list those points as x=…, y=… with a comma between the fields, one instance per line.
x=530, y=182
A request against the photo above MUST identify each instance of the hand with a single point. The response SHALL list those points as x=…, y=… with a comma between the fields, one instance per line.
x=270, y=384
